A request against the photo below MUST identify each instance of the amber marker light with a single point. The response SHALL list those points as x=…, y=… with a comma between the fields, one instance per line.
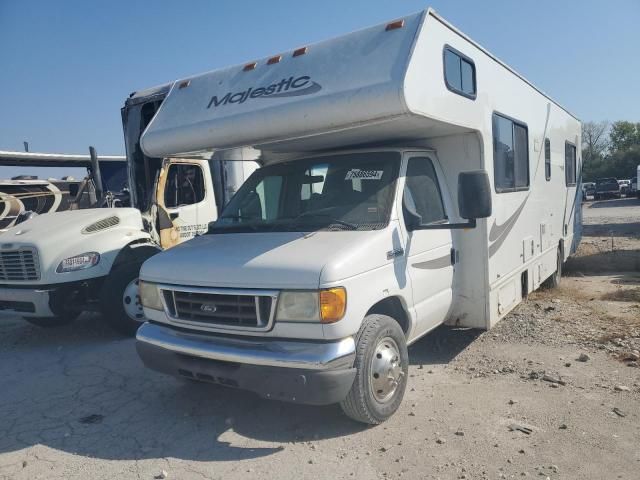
x=395, y=25
x=300, y=51
x=333, y=304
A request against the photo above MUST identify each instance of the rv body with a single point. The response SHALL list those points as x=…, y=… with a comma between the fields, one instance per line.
x=55, y=266
x=394, y=119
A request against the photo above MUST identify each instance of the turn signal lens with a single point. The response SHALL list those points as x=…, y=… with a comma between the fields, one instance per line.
x=333, y=304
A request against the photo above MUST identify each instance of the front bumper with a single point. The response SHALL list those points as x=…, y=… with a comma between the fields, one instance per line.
x=316, y=373
x=27, y=302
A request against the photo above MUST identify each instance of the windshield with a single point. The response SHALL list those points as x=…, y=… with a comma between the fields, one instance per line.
x=339, y=192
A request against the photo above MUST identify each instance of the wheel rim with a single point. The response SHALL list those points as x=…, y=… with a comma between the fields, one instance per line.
x=131, y=301
x=386, y=370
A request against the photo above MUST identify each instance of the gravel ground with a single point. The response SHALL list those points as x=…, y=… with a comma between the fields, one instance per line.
x=514, y=402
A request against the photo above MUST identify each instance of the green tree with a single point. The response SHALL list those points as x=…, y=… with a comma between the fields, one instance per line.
x=623, y=136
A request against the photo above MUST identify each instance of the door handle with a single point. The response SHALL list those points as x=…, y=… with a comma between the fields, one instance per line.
x=174, y=215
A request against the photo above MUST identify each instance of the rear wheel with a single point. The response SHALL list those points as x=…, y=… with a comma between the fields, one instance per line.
x=382, y=364
x=120, y=299
x=554, y=280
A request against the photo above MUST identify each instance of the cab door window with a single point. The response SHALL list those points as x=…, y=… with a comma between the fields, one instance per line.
x=422, y=196
x=185, y=185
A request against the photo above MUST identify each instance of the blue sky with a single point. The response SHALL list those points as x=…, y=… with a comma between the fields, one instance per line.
x=67, y=66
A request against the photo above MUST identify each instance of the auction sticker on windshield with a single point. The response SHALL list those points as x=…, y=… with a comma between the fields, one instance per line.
x=363, y=174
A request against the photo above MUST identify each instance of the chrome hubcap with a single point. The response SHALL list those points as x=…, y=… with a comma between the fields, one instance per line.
x=131, y=301
x=386, y=370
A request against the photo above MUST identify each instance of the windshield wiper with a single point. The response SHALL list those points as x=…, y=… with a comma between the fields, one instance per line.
x=349, y=225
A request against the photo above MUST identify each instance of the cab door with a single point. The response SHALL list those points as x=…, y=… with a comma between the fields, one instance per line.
x=185, y=200
x=429, y=253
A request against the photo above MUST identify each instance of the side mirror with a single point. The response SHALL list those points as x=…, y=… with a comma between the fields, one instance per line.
x=73, y=190
x=474, y=195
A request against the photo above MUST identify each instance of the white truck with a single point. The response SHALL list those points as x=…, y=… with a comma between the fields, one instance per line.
x=55, y=266
x=410, y=179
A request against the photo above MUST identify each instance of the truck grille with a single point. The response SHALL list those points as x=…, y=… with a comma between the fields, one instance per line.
x=221, y=309
x=20, y=264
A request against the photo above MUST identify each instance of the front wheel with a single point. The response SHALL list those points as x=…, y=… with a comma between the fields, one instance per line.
x=382, y=365
x=120, y=299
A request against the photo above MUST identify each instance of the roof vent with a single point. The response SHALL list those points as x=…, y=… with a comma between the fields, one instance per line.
x=102, y=224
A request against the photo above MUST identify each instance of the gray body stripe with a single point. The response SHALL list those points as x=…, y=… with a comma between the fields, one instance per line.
x=434, y=264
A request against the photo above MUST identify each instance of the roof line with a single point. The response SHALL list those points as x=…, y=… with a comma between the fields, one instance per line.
x=437, y=16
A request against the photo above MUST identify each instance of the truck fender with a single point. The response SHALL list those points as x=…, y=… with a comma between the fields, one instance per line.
x=135, y=252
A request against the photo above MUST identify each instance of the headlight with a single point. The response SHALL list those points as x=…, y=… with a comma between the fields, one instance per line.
x=78, y=262
x=150, y=295
x=298, y=306
x=325, y=306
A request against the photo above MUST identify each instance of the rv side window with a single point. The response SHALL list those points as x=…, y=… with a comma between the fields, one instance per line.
x=422, y=193
x=459, y=73
x=510, y=155
x=185, y=185
x=570, y=164
x=547, y=159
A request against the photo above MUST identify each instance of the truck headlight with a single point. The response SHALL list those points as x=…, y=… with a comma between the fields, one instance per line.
x=325, y=306
x=150, y=295
x=298, y=306
x=78, y=262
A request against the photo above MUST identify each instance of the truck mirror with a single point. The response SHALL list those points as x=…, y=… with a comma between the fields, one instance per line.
x=73, y=190
x=474, y=194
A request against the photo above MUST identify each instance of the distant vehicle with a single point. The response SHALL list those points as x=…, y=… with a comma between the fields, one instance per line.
x=625, y=186
x=607, y=188
x=634, y=186
x=588, y=190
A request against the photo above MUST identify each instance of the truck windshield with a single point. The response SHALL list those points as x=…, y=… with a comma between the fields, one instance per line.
x=339, y=192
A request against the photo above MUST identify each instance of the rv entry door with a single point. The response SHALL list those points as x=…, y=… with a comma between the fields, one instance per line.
x=185, y=200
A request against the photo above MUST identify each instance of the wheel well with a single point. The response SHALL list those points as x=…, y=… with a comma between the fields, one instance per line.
x=394, y=308
x=135, y=252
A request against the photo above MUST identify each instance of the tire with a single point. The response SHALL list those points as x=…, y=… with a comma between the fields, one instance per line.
x=380, y=346
x=554, y=280
x=50, y=322
x=119, y=299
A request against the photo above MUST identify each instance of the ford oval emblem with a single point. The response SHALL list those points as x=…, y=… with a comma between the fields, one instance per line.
x=208, y=308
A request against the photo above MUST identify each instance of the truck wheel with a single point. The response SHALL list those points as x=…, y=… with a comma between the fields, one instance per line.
x=119, y=299
x=554, y=280
x=382, y=364
x=49, y=322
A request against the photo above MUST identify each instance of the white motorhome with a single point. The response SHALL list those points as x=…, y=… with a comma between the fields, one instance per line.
x=55, y=266
x=411, y=179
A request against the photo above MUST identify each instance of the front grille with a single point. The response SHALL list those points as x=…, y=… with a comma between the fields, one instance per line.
x=221, y=309
x=19, y=264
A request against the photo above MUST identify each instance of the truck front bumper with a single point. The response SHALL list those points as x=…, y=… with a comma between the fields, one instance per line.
x=26, y=302
x=315, y=373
